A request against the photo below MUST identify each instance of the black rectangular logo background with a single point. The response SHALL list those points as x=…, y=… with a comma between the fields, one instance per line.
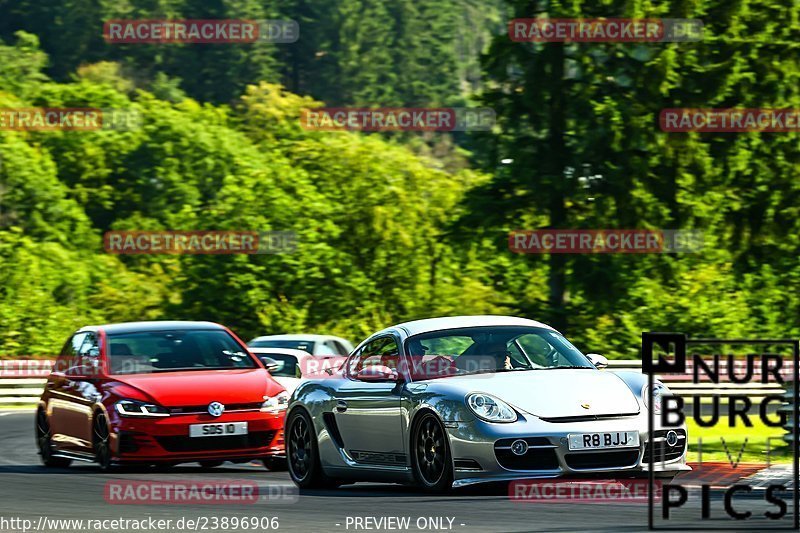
x=678, y=365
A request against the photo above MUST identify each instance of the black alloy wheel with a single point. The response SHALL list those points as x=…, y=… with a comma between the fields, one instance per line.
x=302, y=453
x=101, y=442
x=44, y=441
x=431, y=455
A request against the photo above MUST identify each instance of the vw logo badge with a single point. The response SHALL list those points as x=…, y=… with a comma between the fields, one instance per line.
x=216, y=409
x=672, y=438
x=519, y=447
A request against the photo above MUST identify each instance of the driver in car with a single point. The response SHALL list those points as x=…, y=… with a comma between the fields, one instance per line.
x=485, y=354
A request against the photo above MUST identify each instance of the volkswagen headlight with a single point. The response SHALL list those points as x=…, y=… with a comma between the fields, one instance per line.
x=490, y=408
x=275, y=404
x=135, y=408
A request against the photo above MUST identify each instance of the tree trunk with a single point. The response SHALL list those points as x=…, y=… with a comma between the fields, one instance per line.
x=556, y=162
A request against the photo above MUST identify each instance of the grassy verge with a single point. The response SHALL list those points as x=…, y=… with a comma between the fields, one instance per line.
x=751, y=442
x=17, y=407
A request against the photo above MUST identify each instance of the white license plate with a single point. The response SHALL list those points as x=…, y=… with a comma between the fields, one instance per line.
x=600, y=441
x=218, y=430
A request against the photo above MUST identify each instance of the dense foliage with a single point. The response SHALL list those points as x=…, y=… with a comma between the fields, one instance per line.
x=396, y=228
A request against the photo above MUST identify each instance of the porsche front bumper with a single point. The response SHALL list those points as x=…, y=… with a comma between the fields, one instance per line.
x=482, y=451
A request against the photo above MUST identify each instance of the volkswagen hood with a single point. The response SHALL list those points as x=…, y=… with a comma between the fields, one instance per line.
x=201, y=387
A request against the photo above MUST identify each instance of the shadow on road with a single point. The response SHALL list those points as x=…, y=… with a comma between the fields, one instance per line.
x=369, y=490
x=89, y=468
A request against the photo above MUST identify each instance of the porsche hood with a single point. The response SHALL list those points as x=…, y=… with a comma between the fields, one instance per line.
x=555, y=393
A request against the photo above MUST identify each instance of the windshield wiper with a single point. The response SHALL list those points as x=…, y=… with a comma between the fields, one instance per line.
x=197, y=368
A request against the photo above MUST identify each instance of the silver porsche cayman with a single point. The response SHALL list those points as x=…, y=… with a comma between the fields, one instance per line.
x=448, y=402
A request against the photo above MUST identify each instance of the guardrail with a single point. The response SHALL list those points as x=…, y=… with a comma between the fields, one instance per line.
x=682, y=385
x=20, y=391
x=22, y=380
x=788, y=409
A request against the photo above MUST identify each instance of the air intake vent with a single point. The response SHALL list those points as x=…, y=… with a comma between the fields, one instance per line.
x=333, y=429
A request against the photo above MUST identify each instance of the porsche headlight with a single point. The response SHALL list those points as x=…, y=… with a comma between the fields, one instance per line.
x=275, y=404
x=490, y=408
x=659, y=391
x=135, y=408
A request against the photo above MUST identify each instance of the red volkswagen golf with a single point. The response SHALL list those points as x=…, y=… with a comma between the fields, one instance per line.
x=160, y=393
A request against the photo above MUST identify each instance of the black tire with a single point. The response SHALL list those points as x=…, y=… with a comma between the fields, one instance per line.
x=275, y=464
x=101, y=442
x=210, y=464
x=44, y=441
x=430, y=454
x=302, y=453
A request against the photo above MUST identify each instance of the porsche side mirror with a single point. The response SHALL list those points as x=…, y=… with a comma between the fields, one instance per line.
x=377, y=373
x=597, y=360
x=271, y=364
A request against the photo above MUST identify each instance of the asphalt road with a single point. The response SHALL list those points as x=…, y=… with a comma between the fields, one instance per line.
x=29, y=491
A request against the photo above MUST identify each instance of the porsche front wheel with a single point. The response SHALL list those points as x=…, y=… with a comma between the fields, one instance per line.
x=302, y=453
x=433, y=467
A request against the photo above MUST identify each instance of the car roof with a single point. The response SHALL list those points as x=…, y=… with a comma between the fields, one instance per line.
x=297, y=337
x=427, y=325
x=154, y=325
x=287, y=351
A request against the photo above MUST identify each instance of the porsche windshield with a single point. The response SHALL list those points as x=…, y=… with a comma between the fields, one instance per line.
x=165, y=351
x=491, y=349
